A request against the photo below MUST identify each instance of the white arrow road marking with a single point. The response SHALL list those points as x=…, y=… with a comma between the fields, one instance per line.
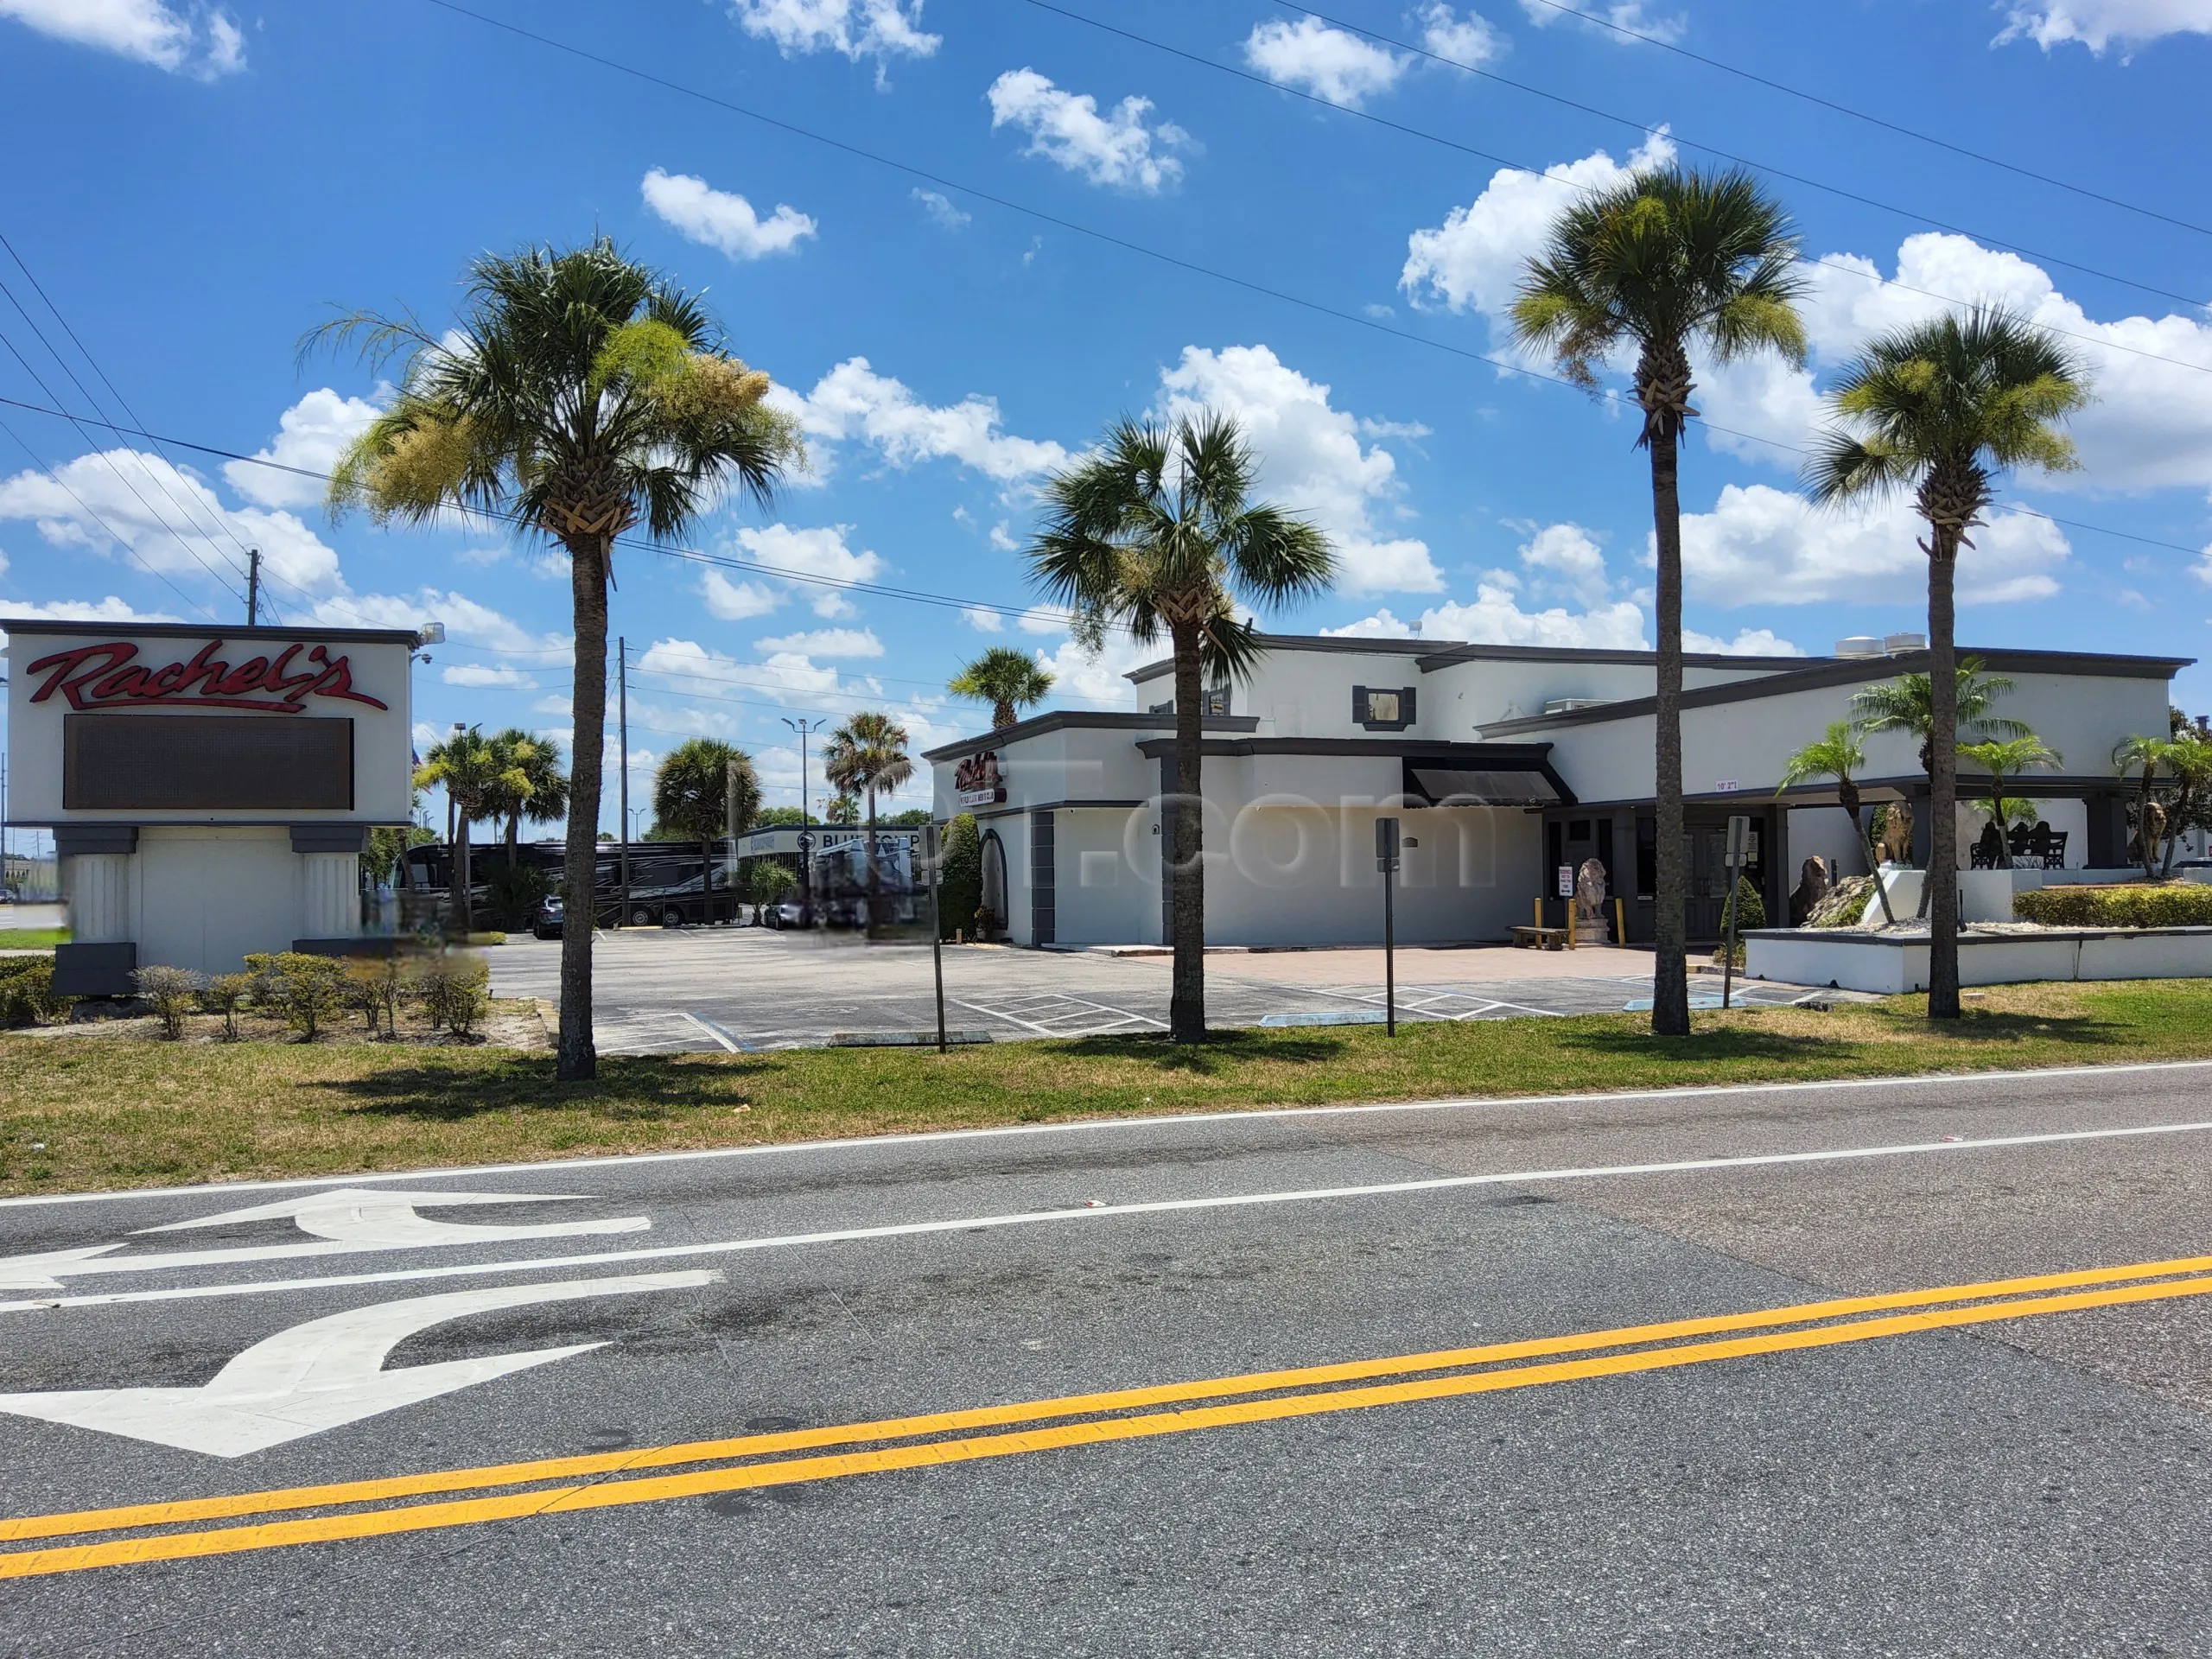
x=324, y=1374
x=348, y=1219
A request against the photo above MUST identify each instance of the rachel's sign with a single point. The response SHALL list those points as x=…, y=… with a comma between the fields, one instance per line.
x=106, y=676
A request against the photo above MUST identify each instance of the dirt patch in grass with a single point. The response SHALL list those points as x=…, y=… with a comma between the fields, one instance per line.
x=122, y=1110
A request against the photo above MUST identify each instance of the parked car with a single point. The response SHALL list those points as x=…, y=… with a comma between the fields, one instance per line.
x=545, y=922
x=790, y=913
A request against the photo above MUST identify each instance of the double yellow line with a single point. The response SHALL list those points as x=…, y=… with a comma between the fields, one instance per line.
x=368, y=1509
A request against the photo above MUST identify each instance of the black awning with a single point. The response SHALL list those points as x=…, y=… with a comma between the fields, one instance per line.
x=1485, y=786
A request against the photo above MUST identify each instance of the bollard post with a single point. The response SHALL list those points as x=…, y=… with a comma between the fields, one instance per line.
x=937, y=932
x=1386, y=861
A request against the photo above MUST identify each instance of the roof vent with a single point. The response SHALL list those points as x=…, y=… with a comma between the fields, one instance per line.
x=1860, y=645
x=1898, y=642
x=1568, y=705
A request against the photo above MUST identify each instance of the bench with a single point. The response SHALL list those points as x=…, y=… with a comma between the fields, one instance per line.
x=1526, y=937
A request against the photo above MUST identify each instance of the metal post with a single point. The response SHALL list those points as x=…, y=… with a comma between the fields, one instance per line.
x=729, y=822
x=622, y=739
x=252, y=586
x=931, y=842
x=802, y=726
x=1386, y=861
x=1740, y=841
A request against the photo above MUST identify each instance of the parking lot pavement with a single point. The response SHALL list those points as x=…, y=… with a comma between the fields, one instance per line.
x=698, y=990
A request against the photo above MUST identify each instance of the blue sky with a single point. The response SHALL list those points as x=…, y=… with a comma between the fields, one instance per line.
x=195, y=186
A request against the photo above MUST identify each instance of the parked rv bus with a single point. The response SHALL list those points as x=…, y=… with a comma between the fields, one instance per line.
x=667, y=887
x=840, y=887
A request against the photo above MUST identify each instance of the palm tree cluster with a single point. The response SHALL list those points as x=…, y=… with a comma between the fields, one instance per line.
x=703, y=790
x=1007, y=679
x=1676, y=259
x=2174, y=792
x=866, y=756
x=505, y=779
x=578, y=396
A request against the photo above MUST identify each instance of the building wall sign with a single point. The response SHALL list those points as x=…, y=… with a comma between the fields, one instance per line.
x=977, y=781
x=107, y=675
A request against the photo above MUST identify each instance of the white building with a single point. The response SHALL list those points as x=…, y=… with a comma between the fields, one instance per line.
x=210, y=790
x=1504, y=763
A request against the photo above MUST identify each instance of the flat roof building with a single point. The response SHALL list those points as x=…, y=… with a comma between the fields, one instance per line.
x=1504, y=763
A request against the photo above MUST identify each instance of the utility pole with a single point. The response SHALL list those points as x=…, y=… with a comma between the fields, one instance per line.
x=622, y=739
x=805, y=865
x=729, y=822
x=252, y=586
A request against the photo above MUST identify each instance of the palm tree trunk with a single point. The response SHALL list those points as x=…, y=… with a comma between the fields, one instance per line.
x=1997, y=818
x=578, y=1061
x=1186, y=1005
x=1670, y=996
x=874, y=880
x=514, y=835
x=1942, y=886
x=2143, y=848
x=457, y=865
x=1874, y=863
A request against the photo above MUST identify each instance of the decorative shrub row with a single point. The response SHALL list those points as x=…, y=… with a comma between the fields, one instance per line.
x=308, y=992
x=2131, y=903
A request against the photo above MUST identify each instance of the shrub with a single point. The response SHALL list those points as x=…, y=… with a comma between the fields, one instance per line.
x=1750, y=908
x=27, y=995
x=308, y=989
x=222, y=995
x=171, y=993
x=959, y=885
x=2127, y=904
x=454, y=988
x=363, y=990
x=263, y=980
x=513, y=892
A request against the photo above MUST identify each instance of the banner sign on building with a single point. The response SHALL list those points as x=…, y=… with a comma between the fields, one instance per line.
x=977, y=781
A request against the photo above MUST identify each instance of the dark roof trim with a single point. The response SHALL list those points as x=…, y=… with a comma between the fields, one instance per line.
x=1080, y=720
x=1906, y=786
x=16, y=624
x=1502, y=757
x=980, y=813
x=1857, y=670
x=1306, y=642
x=1452, y=654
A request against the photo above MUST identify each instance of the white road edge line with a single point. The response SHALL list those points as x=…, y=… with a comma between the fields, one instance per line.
x=1150, y=1207
x=1266, y=1114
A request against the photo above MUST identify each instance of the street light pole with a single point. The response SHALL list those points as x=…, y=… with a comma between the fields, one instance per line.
x=622, y=738
x=805, y=865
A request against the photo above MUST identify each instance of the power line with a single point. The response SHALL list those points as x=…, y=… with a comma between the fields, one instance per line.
x=220, y=519
x=1771, y=85
x=103, y=523
x=1429, y=136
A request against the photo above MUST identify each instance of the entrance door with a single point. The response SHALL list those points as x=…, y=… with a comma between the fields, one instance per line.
x=1705, y=851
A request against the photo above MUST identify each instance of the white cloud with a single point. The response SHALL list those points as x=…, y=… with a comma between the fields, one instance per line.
x=1116, y=149
x=820, y=552
x=203, y=44
x=721, y=220
x=825, y=642
x=939, y=206
x=1748, y=642
x=1567, y=558
x=853, y=401
x=1329, y=63
x=1311, y=460
x=1474, y=260
x=1096, y=681
x=1003, y=538
x=859, y=28
x=485, y=674
x=2099, y=23
x=985, y=621
x=110, y=609
x=1470, y=41
x=311, y=433
x=735, y=602
x=2149, y=428
x=1042, y=619
x=167, y=519
x=832, y=605
x=782, y=678
x=1761, y=545
x=1496, y=618
x=467, y=623
x=1622, y=14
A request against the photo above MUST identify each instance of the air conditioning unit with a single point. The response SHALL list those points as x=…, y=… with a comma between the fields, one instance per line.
x=1898, y=644
x=1860, y=645
x=1568, y=705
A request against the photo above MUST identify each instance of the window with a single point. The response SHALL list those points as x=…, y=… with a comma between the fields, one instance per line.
x=1647, y=857
x=1382, y=708
x=1216, y=705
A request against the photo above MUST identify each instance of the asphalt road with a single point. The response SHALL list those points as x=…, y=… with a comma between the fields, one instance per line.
x=1915, y=1476
x=701, y=989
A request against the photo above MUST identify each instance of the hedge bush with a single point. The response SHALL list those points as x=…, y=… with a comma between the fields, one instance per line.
x=27, y=995
x=2127, y=904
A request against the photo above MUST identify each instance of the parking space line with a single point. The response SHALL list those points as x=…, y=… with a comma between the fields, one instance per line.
x=1066, y=1008
x=713, y=1030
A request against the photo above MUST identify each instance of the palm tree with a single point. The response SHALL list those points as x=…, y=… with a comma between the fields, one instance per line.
x=1156, y=533
x=1007, y=679
x=694, y=788
x=2003, y=758
x=476, y=777
x=579, y=395
x=1837, y=754
x=1907, y=704
x=540, y=793
x=2149, y=753
x=2189, y=758
x=1940, y=408
x=866, y=755
x=1664, y=262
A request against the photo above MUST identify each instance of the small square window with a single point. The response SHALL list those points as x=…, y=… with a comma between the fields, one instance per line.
x=1388, y=709
x=1382, y=706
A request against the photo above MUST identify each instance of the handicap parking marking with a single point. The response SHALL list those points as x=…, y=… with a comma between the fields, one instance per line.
x=1053, y=1013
